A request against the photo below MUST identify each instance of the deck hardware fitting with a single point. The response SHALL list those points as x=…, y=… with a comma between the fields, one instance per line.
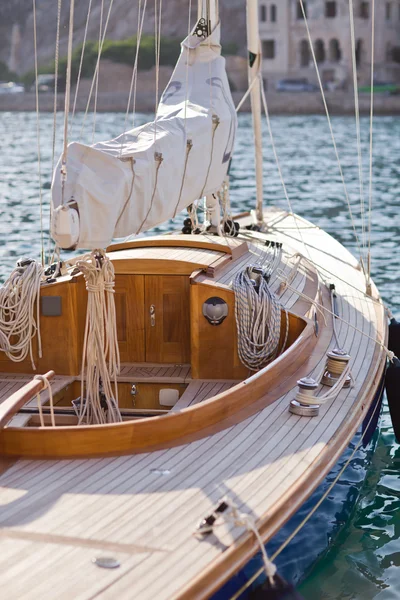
x=160, y=471
x=335, y=365
x=215, y=310
x=205, y=527
x=106, y=562
x=307, y=385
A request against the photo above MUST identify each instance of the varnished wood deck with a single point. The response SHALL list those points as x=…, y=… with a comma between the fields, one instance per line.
x=143, y=509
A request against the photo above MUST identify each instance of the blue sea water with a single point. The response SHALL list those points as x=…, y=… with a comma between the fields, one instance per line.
x=363, y=561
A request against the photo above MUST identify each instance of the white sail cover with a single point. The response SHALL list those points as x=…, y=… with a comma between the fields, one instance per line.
x=117, y=196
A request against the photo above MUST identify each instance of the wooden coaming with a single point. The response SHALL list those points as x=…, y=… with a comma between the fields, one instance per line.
x=157, y=432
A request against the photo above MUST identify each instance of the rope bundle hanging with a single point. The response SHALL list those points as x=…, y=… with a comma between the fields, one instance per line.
x=258, y=318
x=100, y=362
x=18, y=325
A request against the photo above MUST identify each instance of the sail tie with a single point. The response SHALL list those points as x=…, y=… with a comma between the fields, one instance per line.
x=158, y=157
x=189, y=146
x=215, y=123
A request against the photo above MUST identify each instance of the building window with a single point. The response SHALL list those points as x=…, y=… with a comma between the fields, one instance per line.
x=273, y=13
x=388, y=11
x=319, y=51
x=364, y=10
x=335, y=53
x=299, y=13
x=263, y=13
x=389, y=52
x=268, y=49
x=330, y=10
x=304, y=53
x=359, y=52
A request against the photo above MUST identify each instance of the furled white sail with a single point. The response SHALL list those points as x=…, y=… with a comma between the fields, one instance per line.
x=145, y=176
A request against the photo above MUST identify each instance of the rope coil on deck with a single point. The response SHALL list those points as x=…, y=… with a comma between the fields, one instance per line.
x=18, y=324
x=100, y=403
x=258, y=318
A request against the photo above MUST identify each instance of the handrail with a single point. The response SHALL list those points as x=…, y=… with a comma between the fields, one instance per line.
x=17, y=400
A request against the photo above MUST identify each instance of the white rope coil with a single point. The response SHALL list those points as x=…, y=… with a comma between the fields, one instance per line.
x=18, y=325
x=99, y=403
x=258, y=319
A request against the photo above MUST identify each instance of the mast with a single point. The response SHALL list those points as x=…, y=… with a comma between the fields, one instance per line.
x=254, y=48
x=209, y=10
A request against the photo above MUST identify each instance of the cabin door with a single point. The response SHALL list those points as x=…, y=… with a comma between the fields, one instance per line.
x=167, y=318
x=129, y=306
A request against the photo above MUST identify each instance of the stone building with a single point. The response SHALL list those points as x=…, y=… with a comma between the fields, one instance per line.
x=286, y=50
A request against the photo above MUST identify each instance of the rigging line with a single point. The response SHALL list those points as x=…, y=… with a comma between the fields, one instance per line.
x=38, y=131
x=388, y=352
x=97, y=73
x=132, y=162
x=67, y=100
x=157, y=47
x=312, y=511
x=264, y=101
x=189, y=146
x=136, y=72
x=132, y=87
x=53, y=150
x=371, y=122
x=215, y=123
x=159, y=159
x=96, y=69
x=331, y=132
x=187, y=67
x=78, y=79
x=246, y=94
x=321, y=267
x=357, y=115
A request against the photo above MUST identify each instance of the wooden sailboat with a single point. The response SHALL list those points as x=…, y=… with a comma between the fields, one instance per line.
x=201, y=438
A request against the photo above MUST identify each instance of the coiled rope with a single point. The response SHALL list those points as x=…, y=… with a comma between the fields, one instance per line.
x=18, y=325
x=99, y=403
x=258, y=319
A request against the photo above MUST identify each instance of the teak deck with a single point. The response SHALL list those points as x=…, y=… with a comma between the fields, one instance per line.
x=143, y=509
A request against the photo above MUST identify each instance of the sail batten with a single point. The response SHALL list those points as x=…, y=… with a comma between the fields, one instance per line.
x=145, y=176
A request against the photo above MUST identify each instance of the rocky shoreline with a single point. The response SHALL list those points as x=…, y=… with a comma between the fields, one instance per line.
x=284, y=103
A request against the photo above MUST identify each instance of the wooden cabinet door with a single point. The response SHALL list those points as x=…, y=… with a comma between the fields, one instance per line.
x=129, y=307
x=167, y=317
